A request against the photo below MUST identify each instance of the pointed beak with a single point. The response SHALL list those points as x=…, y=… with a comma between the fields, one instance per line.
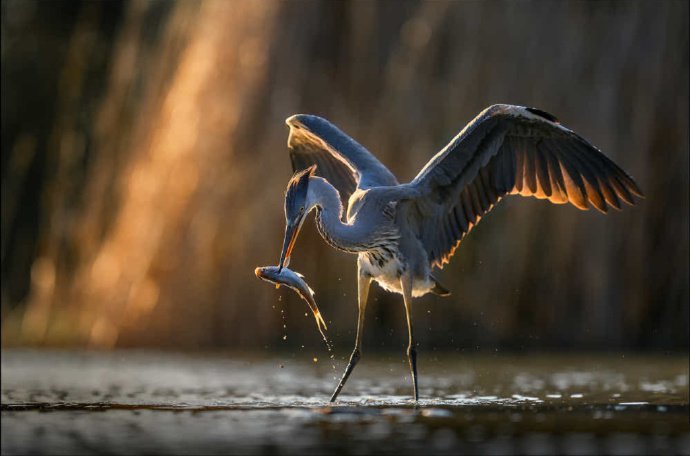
x=291, y=232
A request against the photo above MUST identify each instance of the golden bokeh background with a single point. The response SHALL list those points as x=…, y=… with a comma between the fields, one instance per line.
x=144, y=162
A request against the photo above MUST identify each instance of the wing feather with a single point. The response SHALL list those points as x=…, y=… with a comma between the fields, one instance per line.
x=519, y=170
x=542, y=167
x=508, y=150
x=481, y=190
x=575, y=187
x=589, y=173
x=529, y=173
x=346, y=164
x=604, y=186
x=559, y=194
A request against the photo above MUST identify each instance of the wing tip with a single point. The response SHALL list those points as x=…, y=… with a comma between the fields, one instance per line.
x=635, y=190
x=296, y=120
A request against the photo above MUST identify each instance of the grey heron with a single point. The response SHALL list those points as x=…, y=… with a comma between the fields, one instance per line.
x=400, y=232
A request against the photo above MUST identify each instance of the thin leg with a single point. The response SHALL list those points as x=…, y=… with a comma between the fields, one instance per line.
x=406, y=285
x=363, y=282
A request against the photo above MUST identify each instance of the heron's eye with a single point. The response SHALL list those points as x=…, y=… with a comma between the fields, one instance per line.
x=301, y=210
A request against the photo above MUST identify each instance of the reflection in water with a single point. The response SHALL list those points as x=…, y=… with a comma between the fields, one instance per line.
x=539, y=404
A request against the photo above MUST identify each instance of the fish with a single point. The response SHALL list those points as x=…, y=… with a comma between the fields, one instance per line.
x=295, y=281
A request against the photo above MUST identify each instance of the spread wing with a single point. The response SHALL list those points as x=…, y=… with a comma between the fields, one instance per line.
x=340, y=160
x=509, y=150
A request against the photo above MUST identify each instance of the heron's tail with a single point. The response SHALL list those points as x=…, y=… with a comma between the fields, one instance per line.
x=439, y=289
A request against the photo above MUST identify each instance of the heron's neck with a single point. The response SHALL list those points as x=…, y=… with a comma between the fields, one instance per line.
x=329, y=211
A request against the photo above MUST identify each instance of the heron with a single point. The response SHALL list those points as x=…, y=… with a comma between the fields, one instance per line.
x=402, y=233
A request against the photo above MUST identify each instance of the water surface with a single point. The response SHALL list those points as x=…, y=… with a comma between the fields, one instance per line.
x=134, y=402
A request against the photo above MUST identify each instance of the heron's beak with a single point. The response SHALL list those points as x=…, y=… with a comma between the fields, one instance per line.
x=291, y=232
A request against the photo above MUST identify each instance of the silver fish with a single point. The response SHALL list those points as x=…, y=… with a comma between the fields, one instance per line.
x=294, y=280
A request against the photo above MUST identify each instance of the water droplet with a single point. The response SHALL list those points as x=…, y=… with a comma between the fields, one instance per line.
x=285, y=337
x=315, y=359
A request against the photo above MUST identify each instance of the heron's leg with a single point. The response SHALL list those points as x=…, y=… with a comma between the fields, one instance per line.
x=406, y=285
x=363, y=283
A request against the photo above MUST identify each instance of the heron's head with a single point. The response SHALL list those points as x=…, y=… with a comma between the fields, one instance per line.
x=296, y=210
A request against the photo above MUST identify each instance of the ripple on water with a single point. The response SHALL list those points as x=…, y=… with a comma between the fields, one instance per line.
x=454, y=383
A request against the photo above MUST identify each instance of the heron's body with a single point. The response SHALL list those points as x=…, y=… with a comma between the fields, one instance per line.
x=375, y=232
x=400, y=232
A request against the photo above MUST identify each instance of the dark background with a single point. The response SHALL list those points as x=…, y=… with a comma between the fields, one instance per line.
x=144, y=164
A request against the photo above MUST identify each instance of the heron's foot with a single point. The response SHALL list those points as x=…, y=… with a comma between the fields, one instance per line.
x=354, y=359
x=412, y=358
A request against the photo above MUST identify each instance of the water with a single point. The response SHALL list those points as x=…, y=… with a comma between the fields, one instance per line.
x=138, y=402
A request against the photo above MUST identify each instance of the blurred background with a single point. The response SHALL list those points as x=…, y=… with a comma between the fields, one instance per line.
x=144, y=162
